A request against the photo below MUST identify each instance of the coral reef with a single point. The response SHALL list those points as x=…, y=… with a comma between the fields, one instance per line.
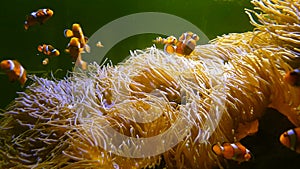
x=216, y=94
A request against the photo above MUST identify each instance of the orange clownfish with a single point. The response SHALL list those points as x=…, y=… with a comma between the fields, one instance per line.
x=169, y=42
x=232, y=151
x=78, y=33
x=45, y=61
x=99, y=44
x=293, y=77
x=75, y=50
x=40, y=16
x=183, y=46
x=291, y=139
x=14, y=70
x=48, y=50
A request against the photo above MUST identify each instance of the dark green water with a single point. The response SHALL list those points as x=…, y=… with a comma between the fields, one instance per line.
x=213, y=17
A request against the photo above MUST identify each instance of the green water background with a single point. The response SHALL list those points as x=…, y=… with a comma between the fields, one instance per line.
x=213, y=17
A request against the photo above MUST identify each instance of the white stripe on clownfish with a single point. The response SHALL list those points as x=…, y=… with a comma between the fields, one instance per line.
x=47, y=48
x=21, y=72
x=234, y=146
x=293, y=138
x=77, y=45
x=235, y=149
x=184, y=39
x=45, y=11
x=33, y=14
x=12, y=65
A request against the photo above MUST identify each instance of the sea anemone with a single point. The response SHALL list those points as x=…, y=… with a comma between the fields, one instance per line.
x=98, y=117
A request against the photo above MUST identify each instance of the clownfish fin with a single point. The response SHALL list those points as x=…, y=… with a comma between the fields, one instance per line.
x=23, y=81
x=248, y=156
x=40, y=48
x=26, y=26
x=217, y=149
x=57, y=53
x=45, y=61
x=87, y=48
x=11, y=78
x=81, y=50
x=158, y=40
x=68, y=33
x=169, y=49
x=86, y=39
x=82, y=64
x=22, y=76
x=67, y=50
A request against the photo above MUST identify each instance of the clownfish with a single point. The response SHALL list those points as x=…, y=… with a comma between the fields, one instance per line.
x=75, y=50
x=99, y=44
x=48, y=50
x=45, y=61
x=14, y=70
x=169, y=43
x=291, y=139
x=78, y=33
x=293, y=77
x=232, y=151
x=183, y=46
x=40, y=16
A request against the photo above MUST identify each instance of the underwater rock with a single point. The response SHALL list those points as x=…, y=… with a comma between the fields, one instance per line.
x=214, y=95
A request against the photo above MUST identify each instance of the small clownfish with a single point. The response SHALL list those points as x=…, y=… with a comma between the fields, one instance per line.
x=169, y=43
x=232, y=151
x=293, y=77
x=40, y=16
x=45, y=61
x=48, y=50
x=78, y=33
x=99, y=44
x=14, y=70
x=291, y=139
x=74, y=48
x=183, y=46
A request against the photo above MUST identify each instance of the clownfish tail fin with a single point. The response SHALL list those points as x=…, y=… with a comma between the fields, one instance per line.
x=26, y=26
x=217, y=149
x=87, y=48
